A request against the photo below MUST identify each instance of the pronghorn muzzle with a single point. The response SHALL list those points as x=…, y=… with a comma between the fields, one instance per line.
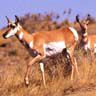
x=4, y=35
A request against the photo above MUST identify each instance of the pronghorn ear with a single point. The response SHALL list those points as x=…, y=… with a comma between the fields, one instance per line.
x=87, y=22
x=17, y=19
x=8, y=20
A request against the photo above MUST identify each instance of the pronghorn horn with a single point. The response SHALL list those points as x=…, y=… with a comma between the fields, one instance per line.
x=77, y=18
x=9, y=21
x=17, y=18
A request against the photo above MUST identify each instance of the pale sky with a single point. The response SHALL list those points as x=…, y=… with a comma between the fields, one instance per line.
x=21, y=7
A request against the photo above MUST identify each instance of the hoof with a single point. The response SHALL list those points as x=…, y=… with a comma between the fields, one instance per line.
x=26, y=81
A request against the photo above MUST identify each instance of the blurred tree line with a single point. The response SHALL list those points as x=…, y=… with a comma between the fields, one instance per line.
x=39, y=22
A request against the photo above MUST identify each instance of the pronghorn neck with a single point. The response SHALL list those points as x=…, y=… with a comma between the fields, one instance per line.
x=84, y=38
x=25, y=38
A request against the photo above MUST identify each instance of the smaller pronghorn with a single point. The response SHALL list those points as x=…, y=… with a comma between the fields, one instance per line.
x=88, y=42
x=83, y=34
x=45, y=43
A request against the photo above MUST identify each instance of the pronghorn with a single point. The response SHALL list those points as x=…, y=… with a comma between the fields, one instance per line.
x=45, y=43
x=88, y=42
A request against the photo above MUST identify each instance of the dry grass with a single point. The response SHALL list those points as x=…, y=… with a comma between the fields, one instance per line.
x=13, y=63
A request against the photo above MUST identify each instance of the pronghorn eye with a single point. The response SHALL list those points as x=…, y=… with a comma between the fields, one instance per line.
x=87, y=24
x=12, y=26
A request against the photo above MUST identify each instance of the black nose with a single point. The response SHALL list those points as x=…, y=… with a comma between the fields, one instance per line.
x=4, y=35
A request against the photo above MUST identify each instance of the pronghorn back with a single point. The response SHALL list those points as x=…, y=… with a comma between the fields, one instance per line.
x=65, y=34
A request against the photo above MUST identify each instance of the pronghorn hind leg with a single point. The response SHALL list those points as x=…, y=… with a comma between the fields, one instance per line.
x=74, y=68
x=73, y=62
x=70, y=60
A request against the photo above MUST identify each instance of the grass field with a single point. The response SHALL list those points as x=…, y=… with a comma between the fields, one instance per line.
x=13, y=63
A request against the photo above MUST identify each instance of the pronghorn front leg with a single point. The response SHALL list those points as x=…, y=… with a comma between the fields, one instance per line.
x=36, y=59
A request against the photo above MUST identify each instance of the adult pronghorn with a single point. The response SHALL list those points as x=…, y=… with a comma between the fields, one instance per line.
x=45, y=43
x=88, y=42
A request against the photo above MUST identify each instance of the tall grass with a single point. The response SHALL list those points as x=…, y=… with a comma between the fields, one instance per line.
x=57, y=74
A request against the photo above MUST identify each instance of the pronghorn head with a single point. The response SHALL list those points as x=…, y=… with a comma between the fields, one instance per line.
x=13, y=27
x=83, y=24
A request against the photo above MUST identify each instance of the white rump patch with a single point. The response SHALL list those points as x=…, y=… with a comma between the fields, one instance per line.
x=75, y=33
x=95, y=47
x=85, y=34
x=31, y=44
x=54, y=48
x=21, y=35
x=87, y=46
